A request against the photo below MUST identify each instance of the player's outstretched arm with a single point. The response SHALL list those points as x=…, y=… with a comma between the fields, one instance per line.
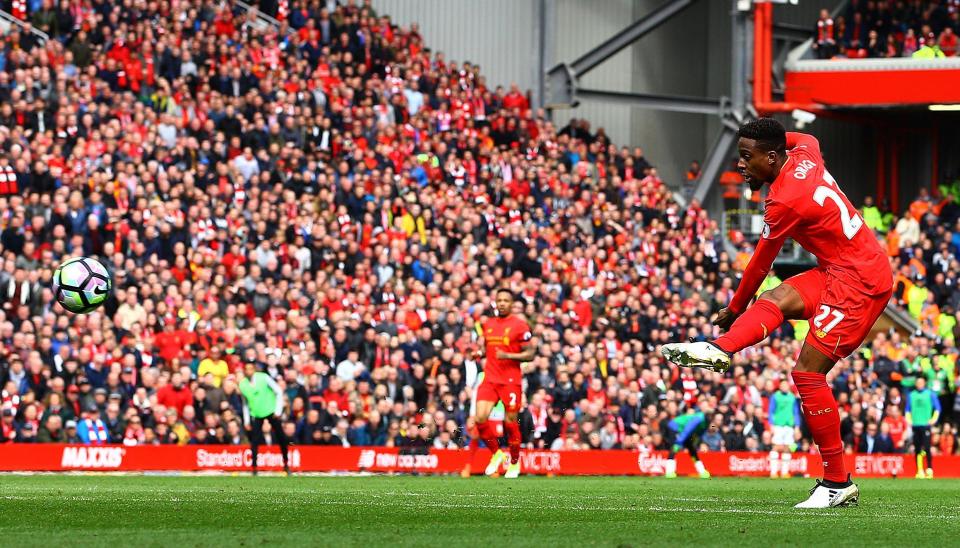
x=757, y=269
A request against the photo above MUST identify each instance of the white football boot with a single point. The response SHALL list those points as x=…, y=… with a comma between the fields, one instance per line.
x=822, y=496
x=670, y=469
x=513, y=471
x=697, y=354
x=495, y=462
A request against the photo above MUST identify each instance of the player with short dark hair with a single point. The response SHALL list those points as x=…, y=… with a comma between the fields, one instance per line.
x=508, y=342
x=842, y=297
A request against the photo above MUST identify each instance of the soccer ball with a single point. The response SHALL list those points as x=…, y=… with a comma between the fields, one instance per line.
x=81, y=285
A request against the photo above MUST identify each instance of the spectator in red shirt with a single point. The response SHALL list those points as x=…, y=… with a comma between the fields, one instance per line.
x=175, y=394
x=948, y=42
x=897, y=425
x=515, y=100
x=170, y=342
x=335, y=393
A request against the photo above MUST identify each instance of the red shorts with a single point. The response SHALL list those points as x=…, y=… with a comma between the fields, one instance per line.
x=509, y=394
x=840, y=315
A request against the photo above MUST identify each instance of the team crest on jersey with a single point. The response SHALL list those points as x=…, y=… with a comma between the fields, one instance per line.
x=820, y=333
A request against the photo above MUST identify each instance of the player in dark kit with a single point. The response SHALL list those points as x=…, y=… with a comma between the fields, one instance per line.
x=507, y=343
x=842, y=297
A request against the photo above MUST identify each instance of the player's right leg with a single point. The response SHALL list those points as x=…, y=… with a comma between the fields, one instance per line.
x=787, y=301
x=791, y=300
x=486, y=399
x=512, y=397
x=511, y=425
x=277, y=428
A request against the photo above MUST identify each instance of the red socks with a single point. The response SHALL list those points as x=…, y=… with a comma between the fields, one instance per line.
x=513, y=438
x=823, y=419
x=753, y=326
x=489, y=435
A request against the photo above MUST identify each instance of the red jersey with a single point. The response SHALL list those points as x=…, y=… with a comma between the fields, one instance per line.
x=508, y=334
x=806, y=204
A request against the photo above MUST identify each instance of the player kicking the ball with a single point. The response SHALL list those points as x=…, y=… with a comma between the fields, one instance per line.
x=507, y=343
x=842, y=297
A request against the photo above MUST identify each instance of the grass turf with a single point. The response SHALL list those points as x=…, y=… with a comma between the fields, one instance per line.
x=433, y=511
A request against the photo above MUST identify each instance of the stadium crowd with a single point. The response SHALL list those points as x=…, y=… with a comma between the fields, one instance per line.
x=336, y=203
x=922, y=29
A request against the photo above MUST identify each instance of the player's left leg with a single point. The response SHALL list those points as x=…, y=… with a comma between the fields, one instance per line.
x=277, y=428
x=843, y=318
x=820, y=412
x=691, y=446
x=511, y=396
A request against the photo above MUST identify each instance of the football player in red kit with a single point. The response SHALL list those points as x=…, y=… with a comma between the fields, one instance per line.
x=842, y=297
x=507, y=343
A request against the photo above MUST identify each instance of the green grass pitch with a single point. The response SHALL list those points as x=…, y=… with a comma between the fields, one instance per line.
x=182, y=511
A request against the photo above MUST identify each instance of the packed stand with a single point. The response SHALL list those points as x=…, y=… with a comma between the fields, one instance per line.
x=336, y=203
x=921, y=29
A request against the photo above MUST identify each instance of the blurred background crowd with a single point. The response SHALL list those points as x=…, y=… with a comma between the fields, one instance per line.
x=877, y=29
x=337, y=203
